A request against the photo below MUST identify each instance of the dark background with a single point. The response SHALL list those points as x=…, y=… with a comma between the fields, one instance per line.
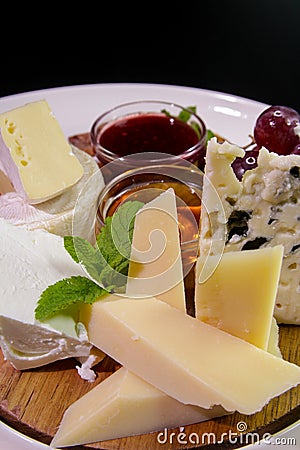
x=250, y=49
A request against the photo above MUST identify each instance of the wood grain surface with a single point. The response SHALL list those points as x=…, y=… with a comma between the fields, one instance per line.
x=33, y=401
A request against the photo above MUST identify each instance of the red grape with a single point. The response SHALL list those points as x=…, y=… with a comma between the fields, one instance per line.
x=248, y=162
x=274, y=129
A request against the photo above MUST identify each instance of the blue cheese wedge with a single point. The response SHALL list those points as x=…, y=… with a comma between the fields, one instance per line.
x=35, y=154
x=261, y=210
x=30, y=261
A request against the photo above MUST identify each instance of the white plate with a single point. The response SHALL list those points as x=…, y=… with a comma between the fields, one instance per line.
x=76, y=107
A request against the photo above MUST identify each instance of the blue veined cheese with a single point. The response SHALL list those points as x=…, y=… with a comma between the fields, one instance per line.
x=261, y=210
x=30, y=261
x=35, y=154
x=75, y=208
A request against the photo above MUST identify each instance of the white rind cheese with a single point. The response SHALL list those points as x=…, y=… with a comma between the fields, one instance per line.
x=30, y=261
x=35, y=154
x=260, y=211
x=79, y=202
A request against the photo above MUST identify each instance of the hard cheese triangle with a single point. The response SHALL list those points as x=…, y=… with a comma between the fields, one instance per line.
x=124, y=405
x=239, y=296
x=200, y=365
x=156, y=267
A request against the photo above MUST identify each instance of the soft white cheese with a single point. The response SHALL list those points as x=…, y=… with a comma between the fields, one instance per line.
x=30, y=261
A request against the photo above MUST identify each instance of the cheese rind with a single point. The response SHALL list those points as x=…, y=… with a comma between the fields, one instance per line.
x=261, y=210
x=71, y=213
x=239, y=296
x=30, y=261
x=35, y=153
x=143, y=336
x=124, y=405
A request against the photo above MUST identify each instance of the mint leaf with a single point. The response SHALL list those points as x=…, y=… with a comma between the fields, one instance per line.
x=114, y=244
x=65, y=293
x=85, y=254
x=122, y=225
x=185, y=114
x=107, y=264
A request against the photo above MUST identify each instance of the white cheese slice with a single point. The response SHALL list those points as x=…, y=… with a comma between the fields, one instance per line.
x=262, y=210
x=201, y=365
x=35, y=154
x=30, y=261
x=71, y=213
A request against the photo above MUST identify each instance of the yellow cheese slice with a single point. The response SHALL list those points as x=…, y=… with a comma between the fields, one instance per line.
x=35, y=154
x=155, y=267
x=187, y=359
x=239, y=296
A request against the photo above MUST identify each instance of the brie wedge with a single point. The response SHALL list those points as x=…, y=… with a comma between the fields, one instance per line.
x=72, y=212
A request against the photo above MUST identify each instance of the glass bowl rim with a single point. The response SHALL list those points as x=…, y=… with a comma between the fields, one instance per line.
x=113, y=156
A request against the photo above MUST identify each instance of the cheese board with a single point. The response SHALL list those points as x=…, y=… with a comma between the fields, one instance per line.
x=33, y=401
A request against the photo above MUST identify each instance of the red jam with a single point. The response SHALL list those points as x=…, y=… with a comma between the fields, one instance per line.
x=148, y=133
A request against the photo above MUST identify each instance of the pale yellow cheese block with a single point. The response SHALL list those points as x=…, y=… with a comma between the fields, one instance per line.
x=200, y=365
x=155, y=264
x=124, y=405
x=273, y=344
x=239, y=296
x=35, y=154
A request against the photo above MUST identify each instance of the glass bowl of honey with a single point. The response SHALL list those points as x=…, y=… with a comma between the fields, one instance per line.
x=147, y=127
x=145, y=183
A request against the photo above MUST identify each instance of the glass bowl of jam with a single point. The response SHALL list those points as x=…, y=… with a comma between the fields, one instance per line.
x=146, y=183
x=147, y=127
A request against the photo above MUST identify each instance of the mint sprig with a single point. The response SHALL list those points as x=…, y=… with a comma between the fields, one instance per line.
x=65, y=293
x=106, y=264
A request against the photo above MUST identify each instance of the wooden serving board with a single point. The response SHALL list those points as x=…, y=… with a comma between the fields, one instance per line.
x=33, y=401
